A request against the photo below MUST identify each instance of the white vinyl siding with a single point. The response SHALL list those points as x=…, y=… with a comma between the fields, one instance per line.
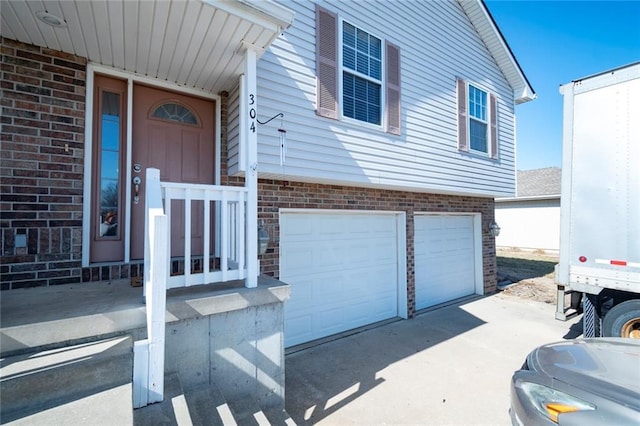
x=233, y=130
x=425, y=157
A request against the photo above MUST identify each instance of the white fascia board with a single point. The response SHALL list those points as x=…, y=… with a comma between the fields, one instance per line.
x=266, y=13
x=530, y=198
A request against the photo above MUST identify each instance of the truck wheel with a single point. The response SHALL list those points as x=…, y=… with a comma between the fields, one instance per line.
x=623, y=320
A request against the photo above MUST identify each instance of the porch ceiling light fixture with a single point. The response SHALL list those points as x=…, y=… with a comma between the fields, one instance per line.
x=282, y=134
x=51, y=19
x=494, y=229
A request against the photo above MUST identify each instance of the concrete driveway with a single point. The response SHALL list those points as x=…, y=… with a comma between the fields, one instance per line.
x=448, y=366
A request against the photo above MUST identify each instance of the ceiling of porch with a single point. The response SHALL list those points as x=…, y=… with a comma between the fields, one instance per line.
x=193, y=43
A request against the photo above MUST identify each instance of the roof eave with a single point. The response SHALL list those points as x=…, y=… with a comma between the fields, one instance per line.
x=483, y=21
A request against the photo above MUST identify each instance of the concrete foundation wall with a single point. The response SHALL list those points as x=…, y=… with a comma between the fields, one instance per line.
x=241, y=352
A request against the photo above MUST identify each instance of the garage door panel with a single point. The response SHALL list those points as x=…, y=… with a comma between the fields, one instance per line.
x=444, y=258
x=351, y=274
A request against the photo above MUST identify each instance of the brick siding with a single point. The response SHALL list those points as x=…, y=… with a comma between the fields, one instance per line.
x=42, y=137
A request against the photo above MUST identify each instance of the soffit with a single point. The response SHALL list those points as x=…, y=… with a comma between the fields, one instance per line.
x=194, y=43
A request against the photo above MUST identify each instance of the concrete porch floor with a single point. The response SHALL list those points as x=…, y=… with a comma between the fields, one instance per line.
x=48, y=317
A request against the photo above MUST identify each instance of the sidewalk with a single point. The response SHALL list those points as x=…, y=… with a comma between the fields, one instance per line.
x=450, y=366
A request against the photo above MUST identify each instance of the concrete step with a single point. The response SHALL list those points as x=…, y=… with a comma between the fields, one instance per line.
x=279, y=417
x=173, y=410
x=247, y=412
x=71, y=385
x=207, y=406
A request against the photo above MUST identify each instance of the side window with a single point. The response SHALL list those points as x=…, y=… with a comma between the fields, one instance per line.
x=477, y=119
x=108, y=155
x=107, y=169
x=367, y=66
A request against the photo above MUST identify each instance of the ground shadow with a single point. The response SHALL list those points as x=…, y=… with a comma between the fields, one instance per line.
x=345, y=369
x=522, y=269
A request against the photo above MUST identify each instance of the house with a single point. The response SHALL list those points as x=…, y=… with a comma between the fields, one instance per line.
x=531, y=219
x=368, y=144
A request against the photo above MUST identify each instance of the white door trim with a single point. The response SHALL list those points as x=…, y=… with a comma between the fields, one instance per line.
x=131, y=78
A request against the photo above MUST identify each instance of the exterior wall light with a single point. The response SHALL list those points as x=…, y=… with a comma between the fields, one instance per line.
x=494, y=229
x=263, y=240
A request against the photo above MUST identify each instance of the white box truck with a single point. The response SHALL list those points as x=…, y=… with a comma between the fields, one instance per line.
x=599, y=264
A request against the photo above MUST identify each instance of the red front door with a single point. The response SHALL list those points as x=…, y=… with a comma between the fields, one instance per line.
x=175, y=134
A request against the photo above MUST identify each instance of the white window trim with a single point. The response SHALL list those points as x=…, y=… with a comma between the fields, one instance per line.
x=383, y=86
x=486, y=153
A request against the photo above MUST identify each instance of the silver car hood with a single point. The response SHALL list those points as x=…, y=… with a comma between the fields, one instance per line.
x=609, y=367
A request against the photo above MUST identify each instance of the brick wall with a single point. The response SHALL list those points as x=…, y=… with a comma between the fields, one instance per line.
x=275, y=195
x=42, y=137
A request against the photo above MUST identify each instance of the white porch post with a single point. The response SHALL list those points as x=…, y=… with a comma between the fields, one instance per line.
x=249, y=107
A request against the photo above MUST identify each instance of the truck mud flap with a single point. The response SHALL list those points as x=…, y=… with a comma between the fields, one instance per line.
x=590, y=318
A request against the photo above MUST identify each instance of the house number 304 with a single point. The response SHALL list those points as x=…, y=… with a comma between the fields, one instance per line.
x=252, y=112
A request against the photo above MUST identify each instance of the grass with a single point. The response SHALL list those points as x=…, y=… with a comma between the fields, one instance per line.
x=525, y=264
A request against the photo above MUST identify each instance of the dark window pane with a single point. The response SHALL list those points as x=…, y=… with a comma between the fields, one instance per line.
x=375, y=69
x=361, y=89
x=478, y=135
x=349, y=35
x=361, y=99
x=363, y=63
x=374, y=114
x=349, y=58
x=348, y=84
x=363, y=42
x=175, y=112
x=375, y=48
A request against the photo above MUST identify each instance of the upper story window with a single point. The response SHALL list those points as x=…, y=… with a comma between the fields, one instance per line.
x=477, y=120
x=361, y=75
x=358, y=74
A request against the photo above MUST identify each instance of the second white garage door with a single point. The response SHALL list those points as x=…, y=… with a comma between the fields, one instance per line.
x=445, y=258
x=343, y=272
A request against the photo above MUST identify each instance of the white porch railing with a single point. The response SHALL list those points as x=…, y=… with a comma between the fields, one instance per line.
x=229, y=247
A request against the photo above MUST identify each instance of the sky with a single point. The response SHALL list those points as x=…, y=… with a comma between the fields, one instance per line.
x=556, y=42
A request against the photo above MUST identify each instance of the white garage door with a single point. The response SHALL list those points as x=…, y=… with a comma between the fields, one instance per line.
x=444, y=258
x=343, y=272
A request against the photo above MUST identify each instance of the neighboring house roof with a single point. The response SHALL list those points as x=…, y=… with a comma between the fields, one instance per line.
x=532, y=183
x=537, y=184
x=481, y=18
